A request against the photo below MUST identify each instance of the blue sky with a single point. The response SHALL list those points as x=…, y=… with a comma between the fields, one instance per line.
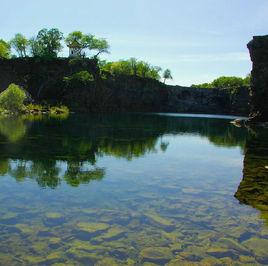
x=198, y=40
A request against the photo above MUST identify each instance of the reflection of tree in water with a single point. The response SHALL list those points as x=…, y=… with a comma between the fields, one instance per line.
x=4, y=166
x=13, y=128
x=79, y=141
x=47, y=174
x=253, y=189
x=77, y=173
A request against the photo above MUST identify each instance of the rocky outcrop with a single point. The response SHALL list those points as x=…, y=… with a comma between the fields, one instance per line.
x=44, y=80
x=258, y=49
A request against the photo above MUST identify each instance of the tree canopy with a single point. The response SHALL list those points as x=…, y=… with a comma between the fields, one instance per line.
x=47, y=43
x=226, y=83
x=4, y=49
x=20, y=44
x=167, y=75
x=132, y=67
x=12, y=98
x=81, y=41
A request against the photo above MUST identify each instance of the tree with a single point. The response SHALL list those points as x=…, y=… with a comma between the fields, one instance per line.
x=167, y=75
x=20, y=44
x=100, y=45
x=134, y=65
x=47, y=43
x=231, y=83
x=79, y=41
x=12, y=98
x=228, y=82
x=4, y=49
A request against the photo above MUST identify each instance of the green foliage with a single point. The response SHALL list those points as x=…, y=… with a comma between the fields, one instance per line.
x=132, y=67
x=62, y=109
x=100, y=45
x=20, y=44
x=80, y=77
x=12, y=99
x=4, y=49
x=34, y=108
x=167, y=75
x=80, y=41
x=230, y=83
x=47, y=43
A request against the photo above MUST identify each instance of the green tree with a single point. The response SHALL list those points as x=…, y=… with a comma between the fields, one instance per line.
x=134, y=65
x=228, y=82
x=12, y=98
x=20, y=44
x=100, y=45
x=79, y=41
x=47, y=43
x=167, y=75
x=4, y=49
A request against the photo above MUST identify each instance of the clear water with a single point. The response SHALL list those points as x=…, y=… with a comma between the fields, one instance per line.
x=133, y=189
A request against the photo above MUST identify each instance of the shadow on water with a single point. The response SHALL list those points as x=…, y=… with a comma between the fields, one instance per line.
x=253, y=189
x=39, y=145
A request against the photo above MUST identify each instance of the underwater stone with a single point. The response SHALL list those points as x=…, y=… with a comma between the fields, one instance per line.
x=158, y=219
x=53, y=215
x=258, y=246
x=221, y=253
x=34, y=259
x=53, y=219
x=106, y=262
x=85, y=231
x=9, y=218
x=39, y=247
x=54, y=257
x=112, y=234
x=156, y=254
x=92, y=227
x=232, y=244
x=24, y=228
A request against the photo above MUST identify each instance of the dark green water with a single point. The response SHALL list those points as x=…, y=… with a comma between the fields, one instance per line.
x=138, y=189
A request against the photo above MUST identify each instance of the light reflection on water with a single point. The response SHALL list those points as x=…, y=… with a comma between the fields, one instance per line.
x=132, y=190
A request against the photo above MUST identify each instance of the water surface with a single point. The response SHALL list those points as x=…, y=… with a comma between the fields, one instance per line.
x=133, y=189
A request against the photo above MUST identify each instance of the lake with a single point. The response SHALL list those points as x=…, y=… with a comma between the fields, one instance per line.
x=132, y=189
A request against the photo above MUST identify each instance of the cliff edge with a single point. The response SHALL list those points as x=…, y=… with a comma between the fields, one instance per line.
x=258, y=48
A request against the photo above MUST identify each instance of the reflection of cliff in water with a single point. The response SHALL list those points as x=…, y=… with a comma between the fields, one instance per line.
x=76, y=143
x=253, y=189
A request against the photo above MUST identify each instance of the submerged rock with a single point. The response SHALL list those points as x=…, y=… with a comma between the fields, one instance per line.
x=218, y=252
x=113, y=233
x=53, y=219
x=258, y=246
x=88, y=230
x=156, y=254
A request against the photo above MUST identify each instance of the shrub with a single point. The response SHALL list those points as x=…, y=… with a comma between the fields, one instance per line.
x=34, y=108
x=82, y=77
x=59, y=110
x=12, y=99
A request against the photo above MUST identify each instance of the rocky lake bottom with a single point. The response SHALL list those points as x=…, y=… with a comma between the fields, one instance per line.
x=132, y=189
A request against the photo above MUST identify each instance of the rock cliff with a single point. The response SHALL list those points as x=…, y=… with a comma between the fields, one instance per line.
x=258, y=48
x=44, y=80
